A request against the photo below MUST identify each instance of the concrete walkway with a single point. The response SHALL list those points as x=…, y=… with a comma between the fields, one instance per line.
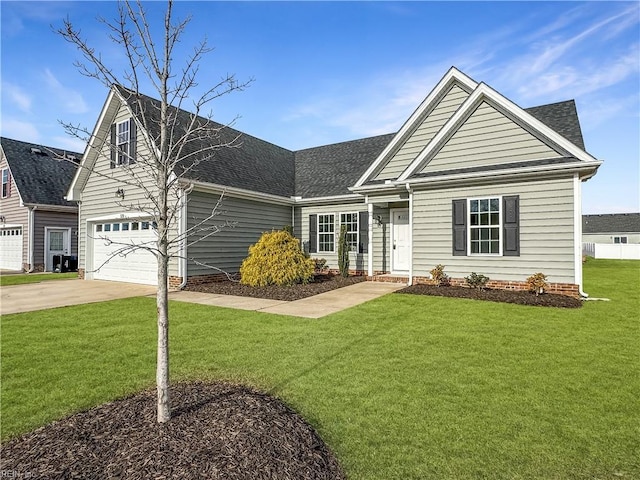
x=62, y=293
x=310, y=307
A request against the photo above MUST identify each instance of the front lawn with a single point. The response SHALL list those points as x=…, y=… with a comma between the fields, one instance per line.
x=403, y=387
x=22, y=278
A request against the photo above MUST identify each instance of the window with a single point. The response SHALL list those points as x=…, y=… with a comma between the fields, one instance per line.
x=619, y=239
x=107, y=227
x=351, y=221
x=99, y=228
x=116, y=227
x=125, y=226
x=484, y=226
x=145, y=226
x=326, y=233
x=134, y=225
x=123, y=142
x=6, y=186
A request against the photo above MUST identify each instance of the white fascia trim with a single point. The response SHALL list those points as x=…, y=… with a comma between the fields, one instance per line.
x=350, y=198
x=53, y=208
x=482, y=92
x=239, y=192
x=73, y=194
x=446, y=82
x=520, y=172
x=119, y=216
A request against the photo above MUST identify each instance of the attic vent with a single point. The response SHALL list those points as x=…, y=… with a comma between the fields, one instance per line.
x=36, y=150
x=73, y=158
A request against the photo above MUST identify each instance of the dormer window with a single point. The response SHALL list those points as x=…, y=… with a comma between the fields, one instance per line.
x=123, y=143
x=6, y=183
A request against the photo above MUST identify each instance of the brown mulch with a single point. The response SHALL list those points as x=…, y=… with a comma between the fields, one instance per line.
x=320, y=284
x=218, y=431
x=503, y=296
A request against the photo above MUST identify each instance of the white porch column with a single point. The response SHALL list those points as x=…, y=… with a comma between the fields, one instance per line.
x=370, y=241
x=410, y=282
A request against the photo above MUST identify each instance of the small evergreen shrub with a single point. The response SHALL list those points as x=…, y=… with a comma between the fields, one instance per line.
x=477, y=281
x=343, y=252
x=440, y=278
x=320, y=265
x=276, y=259
x=537, y=283
x=288, y=229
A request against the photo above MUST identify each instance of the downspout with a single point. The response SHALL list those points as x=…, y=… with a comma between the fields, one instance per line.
x=408, y=187
x=577, y=232
x=370, y=239
x=30, y=228
x=182, y=228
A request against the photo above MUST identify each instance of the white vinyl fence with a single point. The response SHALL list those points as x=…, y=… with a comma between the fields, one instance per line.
x=618, y=251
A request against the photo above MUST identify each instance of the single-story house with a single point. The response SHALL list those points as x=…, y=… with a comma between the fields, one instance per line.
x=471, y=181
x=611, y=228
x=37, y=224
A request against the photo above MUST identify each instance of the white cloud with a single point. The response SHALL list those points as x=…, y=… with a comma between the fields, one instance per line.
x=17, y=96
x=72, y=101
x=20, y=130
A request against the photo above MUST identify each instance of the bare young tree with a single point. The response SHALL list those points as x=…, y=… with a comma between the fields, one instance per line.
x=174, y=142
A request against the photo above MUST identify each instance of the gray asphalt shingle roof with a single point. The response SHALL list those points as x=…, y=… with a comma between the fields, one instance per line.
x=322, y=171
x=561, y=117
x=41, y=178
x=611, y=223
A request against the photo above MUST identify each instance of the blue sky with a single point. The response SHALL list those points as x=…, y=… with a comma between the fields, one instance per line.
x=326, y=72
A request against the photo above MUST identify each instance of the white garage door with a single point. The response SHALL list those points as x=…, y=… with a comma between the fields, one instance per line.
x=138, y=266
x=11, y=248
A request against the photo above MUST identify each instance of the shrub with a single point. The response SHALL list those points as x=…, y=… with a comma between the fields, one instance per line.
x=276, y=259
x=477, y=281
x=537, y=283
x=439, y=277
x=320, y=265
x=343, y=252
x=288, y=229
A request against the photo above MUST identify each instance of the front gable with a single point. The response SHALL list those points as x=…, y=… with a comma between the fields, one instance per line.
x=489, y=137
x=416, y=133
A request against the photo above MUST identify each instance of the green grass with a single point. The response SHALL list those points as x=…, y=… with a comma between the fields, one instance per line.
x=403, y=387
x=22, y=278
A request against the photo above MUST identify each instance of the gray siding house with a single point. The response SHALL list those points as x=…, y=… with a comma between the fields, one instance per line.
x=611, y=228
x=471, y=181
x=37, y=224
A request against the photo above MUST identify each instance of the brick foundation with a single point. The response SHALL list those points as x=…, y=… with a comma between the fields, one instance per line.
x=568, y=289
x=211, y=278
x=81, y=273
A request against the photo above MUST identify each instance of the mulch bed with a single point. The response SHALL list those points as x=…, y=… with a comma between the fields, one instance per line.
x=495, y=295
x=320, y=284
x=218, y=431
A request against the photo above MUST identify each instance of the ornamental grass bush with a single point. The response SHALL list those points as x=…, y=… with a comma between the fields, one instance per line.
x=276, y=259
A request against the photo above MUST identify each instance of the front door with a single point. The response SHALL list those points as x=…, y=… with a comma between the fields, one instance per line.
x=57, y=244
x=400, y=240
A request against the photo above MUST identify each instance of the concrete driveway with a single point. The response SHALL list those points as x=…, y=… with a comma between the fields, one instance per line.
x=62, y=293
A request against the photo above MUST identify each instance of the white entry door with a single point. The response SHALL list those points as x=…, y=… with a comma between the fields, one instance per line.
x=57, y=246
x=400, y=240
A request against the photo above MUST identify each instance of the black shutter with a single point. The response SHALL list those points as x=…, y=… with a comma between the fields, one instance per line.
x=363, y=226
x=459, y=222
x=114, y=153
x=511, y=226
x=132, y=141
x=313, y=233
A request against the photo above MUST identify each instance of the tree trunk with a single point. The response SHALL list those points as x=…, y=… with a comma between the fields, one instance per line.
x=162, y=369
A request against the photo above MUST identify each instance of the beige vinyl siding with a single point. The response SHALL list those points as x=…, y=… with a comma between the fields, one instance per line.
x=546, y=232
x=227, y=249
x=423, y=134
x=44, y=219
x=357, y=261
x=488, y=137
x=15, y=214
x=98, y=195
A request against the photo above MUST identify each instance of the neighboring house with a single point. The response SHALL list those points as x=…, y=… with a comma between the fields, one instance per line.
x=36, y=222
x=611, y=228
x=471, y=181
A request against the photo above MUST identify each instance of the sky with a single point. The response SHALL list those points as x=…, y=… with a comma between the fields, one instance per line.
x=327, y=72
